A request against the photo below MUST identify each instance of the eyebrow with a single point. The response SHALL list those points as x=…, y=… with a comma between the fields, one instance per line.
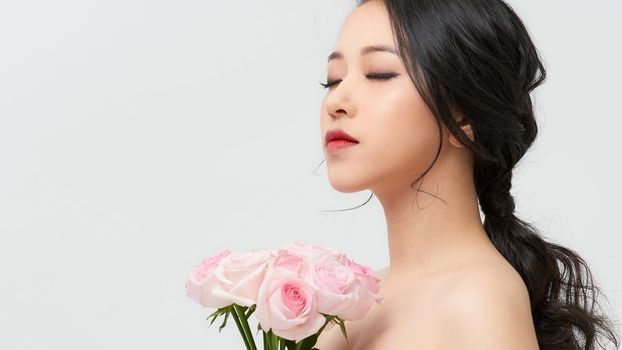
x=365, y=50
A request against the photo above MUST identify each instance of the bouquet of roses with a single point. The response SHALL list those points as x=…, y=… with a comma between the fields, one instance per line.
x=294, y=291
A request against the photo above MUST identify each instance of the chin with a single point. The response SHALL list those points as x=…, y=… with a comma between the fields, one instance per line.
x=347, y=184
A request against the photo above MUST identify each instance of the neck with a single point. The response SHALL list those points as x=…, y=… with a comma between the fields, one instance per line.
x=427, y=234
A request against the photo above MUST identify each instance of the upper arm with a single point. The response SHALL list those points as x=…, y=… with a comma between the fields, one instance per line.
x=490, y=311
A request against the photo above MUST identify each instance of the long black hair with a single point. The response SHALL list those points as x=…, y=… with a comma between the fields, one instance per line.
x=476, y=57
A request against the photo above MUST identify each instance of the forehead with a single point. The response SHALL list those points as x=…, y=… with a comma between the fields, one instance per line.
x=365, y=25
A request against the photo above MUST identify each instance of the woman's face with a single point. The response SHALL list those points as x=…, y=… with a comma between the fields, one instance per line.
x=397, y=134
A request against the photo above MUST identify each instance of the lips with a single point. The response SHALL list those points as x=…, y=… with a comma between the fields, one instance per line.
x=338, y=134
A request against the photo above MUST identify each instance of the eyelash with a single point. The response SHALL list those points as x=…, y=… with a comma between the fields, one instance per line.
x=379, y=76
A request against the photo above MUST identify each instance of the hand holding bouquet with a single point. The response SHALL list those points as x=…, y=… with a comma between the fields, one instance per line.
x=295, y=292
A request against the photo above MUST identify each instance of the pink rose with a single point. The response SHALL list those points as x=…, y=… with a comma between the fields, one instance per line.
x=287, y=303
x=334, y=283
x=366, y=275
x=309, y=250
x=288, y=260
x=240, y=276
x=201, y=281
x=366, y=290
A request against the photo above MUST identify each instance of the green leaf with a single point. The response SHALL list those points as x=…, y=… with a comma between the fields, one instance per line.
x=213, y=319
x=215, y=314
x=343, y=328
x=251, y=310
x=219, y=312
x=224, y=322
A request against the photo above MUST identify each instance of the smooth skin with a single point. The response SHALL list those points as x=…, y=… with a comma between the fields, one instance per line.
x=447, y=286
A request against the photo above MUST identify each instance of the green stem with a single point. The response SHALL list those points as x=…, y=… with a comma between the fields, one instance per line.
x=324, y=326
x=266, y=344
x=274, y=341
x=245, y=327
x=234, y=314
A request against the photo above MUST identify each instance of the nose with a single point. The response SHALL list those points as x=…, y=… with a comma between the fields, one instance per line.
x=338, y=101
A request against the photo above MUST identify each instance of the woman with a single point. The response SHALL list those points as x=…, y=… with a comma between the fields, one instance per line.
x=433, y=97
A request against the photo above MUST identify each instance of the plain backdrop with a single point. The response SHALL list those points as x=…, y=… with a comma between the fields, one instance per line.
x=138, y=137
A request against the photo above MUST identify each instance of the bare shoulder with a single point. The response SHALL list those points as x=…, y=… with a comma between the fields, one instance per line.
x=488, y=308
x=481, y=305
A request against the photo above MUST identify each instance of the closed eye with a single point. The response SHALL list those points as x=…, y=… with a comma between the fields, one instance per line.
x=377, y=76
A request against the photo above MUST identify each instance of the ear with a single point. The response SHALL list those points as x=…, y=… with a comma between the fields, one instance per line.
x=467, y=129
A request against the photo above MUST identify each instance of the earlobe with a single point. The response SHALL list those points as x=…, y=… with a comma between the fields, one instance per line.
x=467, y=129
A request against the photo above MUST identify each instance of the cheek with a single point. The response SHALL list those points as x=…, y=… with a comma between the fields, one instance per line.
x=403, y=134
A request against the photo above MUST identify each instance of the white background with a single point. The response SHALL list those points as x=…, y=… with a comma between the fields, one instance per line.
x=138, y=137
